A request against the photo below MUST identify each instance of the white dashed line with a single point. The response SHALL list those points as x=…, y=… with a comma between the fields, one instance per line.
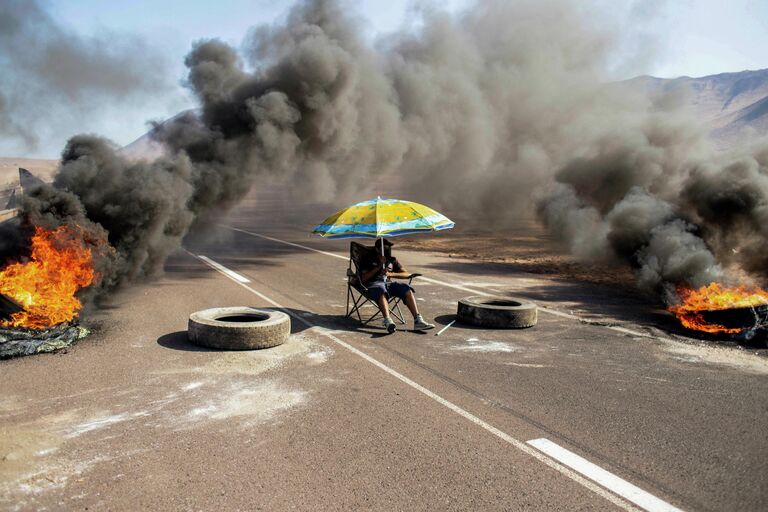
x=224, y=270
x=286, y=242
x=544, y=309
x=537, y=453
x=605, y=478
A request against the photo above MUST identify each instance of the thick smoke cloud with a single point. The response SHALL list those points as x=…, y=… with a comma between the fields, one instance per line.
x=50, y=75
x=677, y=212
x=489, y=115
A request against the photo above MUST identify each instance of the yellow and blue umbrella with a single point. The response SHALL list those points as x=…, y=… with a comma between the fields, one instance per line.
x=382, y=218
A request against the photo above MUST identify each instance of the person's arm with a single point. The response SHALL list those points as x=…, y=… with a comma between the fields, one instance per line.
x=399, y=271
x=373, y=272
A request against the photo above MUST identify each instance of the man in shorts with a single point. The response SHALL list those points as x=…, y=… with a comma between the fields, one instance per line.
x=377, y=274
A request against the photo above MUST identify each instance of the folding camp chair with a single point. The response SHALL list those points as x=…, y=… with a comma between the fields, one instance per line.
x=356, y=290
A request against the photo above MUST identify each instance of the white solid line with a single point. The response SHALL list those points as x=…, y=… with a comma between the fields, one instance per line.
x=286, y=242
x=224, y=270
x=608, y=480
x=421, y=278
x=520, y=445
x=456, y=286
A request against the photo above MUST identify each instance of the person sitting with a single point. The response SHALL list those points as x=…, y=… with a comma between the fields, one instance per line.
x=377, y=274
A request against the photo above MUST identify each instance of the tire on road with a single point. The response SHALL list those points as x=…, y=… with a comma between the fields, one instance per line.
x=238, y=328
x=497, y=312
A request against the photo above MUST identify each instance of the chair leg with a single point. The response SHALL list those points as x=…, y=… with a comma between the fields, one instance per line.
x=349, y=292
x=395, y=309
x=359, y=301
x=372, y=317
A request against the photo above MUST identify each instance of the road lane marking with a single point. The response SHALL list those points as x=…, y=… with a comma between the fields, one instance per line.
x=420, y=278
x=545, y=309
x=608, y=480
x=224, y=270
x=345, y=258
x=520, y=445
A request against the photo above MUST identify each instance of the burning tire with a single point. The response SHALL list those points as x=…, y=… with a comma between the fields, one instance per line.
x=497, y=312
x=738, y=319
x=238, y=328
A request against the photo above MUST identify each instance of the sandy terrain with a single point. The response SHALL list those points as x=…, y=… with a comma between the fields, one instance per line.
x=526, y=247
x=9, y=169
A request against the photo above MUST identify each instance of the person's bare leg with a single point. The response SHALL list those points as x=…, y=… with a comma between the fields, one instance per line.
x=410, y=301
x=418, y=322
x=388, y=323
x=383, y=305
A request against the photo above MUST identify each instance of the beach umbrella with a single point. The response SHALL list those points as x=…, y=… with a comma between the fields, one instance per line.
x=382, y=218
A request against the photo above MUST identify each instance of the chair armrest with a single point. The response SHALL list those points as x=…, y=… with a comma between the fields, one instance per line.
x=412, y=277
x=354, y=280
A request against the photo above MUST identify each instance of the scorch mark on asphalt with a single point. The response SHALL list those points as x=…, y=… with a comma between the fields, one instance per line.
x=621, y=498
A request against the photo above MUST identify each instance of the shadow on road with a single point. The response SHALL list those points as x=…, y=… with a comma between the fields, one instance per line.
x=600, y=304
x=178, y=341
x=443, y=320
x=335, y=323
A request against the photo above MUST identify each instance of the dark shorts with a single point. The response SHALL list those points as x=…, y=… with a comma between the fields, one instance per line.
x=392, y=288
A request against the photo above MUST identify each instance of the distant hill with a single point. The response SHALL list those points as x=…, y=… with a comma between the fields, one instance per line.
x=144, y=148
x=733, y=106
x=9, y=170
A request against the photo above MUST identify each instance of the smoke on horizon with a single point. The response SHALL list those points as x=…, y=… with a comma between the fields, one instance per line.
x=50, y=75
x=496, y=112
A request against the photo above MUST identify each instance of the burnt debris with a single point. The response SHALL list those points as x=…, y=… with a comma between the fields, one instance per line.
x=748, y=319
x=8, y=307
x=24, y=342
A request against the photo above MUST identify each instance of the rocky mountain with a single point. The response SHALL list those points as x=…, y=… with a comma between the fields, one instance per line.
x=733, y=106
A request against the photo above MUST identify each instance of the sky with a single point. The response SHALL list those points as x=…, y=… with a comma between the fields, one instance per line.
x=690, y=37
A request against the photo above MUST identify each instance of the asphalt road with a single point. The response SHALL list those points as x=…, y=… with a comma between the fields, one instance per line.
x=344, y=417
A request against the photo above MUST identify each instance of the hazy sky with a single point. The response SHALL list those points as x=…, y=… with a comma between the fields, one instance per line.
x=692, y=37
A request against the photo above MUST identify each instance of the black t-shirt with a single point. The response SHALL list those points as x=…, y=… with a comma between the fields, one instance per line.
x=372, y=262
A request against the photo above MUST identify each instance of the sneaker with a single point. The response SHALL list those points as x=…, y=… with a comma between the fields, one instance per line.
x=419, y=324
x=389, y=325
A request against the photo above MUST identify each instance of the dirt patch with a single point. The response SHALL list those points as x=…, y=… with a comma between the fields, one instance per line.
x=717, y=356
x=525, y=247
x=255, y=362
x=251, y=402
x=477, y=345
x=9, y=169
x=20, y=448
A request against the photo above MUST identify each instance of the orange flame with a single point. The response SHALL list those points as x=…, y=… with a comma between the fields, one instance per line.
x=711, y=298
x=45, y=286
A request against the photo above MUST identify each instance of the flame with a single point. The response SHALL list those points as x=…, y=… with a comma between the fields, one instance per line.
x=711, y=298
x=61, y=263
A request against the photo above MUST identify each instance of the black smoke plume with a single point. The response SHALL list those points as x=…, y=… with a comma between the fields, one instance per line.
x=50, y=75
x=493, y=113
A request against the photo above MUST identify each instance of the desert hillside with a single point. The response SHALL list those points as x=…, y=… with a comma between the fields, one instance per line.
x=9, y=169
x=734, y=106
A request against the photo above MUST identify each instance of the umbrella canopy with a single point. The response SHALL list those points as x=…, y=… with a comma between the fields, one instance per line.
x=382, y=218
